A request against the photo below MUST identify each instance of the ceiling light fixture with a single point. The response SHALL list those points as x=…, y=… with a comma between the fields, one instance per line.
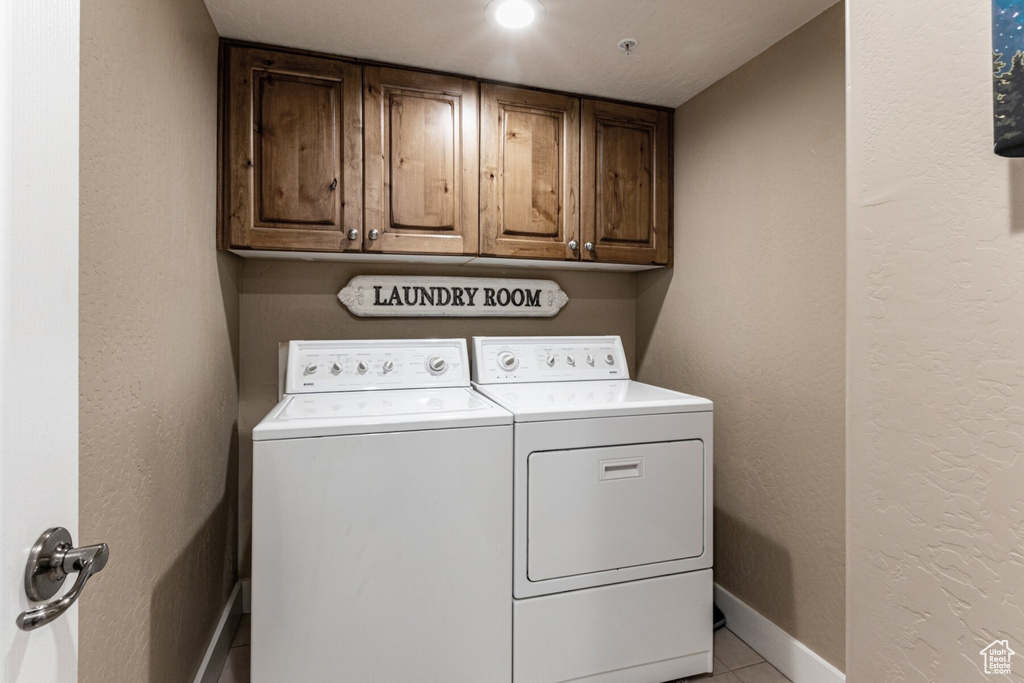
x=514, y=13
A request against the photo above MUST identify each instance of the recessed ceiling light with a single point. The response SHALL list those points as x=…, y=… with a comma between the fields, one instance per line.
x=514, y=13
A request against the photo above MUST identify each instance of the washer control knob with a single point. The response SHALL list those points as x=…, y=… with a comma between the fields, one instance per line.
x=550, y=360
x=609, y=359
x=570, y=360
x=508, y=361
x=336, y=368
x=436, y=365
x=311, y=368
x=388, y=366
x=361, y=368
x=590, y=359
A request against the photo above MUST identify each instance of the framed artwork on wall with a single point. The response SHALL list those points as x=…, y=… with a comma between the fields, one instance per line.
x=1008, y=76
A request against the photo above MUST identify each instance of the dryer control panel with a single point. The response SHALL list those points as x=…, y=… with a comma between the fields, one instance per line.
x=504, y=360
x=344, y=365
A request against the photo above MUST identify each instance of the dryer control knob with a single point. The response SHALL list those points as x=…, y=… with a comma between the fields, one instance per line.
x=436, y=365
x=609, y=359
x=336, y=368
x=311, y=368
x=550, y=360
x=508, y=361
x=570, y=360
x=361, y=368
x=590, y=359
x=388, y=366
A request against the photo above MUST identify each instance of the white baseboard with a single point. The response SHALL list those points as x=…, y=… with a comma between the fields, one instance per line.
x=787, y=654
x=246, y=596
x=220, y=644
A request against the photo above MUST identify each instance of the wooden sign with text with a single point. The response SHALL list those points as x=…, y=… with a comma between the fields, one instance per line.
x=398, y=296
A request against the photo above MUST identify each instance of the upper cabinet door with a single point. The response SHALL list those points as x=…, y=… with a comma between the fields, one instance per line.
x=529, y=173
x=626, y=185
x=293, y=152
x=421, y=163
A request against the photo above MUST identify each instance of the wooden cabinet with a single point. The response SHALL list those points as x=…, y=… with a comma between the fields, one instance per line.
x=324, y=155
x=625, y=196
x=529, y=173
x=421, y=163
x=293, y=163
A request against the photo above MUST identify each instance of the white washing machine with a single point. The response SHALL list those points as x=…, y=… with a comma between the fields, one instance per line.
x=612, y=549
x=382, y=519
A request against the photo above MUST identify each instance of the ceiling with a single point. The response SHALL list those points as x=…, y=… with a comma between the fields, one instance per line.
x=684, y=45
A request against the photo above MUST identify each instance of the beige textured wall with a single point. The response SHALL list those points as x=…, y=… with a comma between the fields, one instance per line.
x=159, y=326
x=284, y=300
x=752, y=316
x=935, y=410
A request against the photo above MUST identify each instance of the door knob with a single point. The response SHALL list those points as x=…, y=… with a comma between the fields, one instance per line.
x=50, y=561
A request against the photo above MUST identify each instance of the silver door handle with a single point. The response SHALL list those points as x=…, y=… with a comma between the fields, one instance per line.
x=50, y=561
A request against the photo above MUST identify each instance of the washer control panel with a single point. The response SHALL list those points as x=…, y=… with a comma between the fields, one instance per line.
x=501, y=360
x=328, y=366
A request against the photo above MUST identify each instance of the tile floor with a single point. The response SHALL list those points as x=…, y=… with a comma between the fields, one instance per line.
x=735, y=662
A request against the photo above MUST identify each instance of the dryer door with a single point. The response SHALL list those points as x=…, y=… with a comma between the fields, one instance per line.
x=607, y=508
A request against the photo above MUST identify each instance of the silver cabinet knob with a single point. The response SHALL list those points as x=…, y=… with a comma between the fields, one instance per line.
x=389, y=365
x=50, y=561
x=589, y=246
x=436, y=365
x=353, y=234
x=374, y=234
x=574, y=245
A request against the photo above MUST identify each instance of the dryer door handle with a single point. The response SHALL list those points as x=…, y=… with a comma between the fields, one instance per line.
x=629, y=468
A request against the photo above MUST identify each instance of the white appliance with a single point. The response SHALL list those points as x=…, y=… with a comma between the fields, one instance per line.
x=612, y=513
x=382, y=519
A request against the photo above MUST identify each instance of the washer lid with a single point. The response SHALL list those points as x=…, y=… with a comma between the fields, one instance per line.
x=336, y=414
x=535, y=402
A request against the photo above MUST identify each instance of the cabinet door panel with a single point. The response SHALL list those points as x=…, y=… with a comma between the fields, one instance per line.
x=292, y=151
x=530, y=173
x=421, y=163
x=296, y=163
x=627, y=185
x=626, y=188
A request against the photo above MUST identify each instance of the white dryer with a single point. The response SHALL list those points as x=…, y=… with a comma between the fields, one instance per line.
x=612, y=550
x=382, y=519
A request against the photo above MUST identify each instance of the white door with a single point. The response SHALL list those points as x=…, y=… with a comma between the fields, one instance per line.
x=39, y=44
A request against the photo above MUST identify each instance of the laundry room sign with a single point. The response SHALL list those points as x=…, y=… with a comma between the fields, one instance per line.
x=396, y=296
